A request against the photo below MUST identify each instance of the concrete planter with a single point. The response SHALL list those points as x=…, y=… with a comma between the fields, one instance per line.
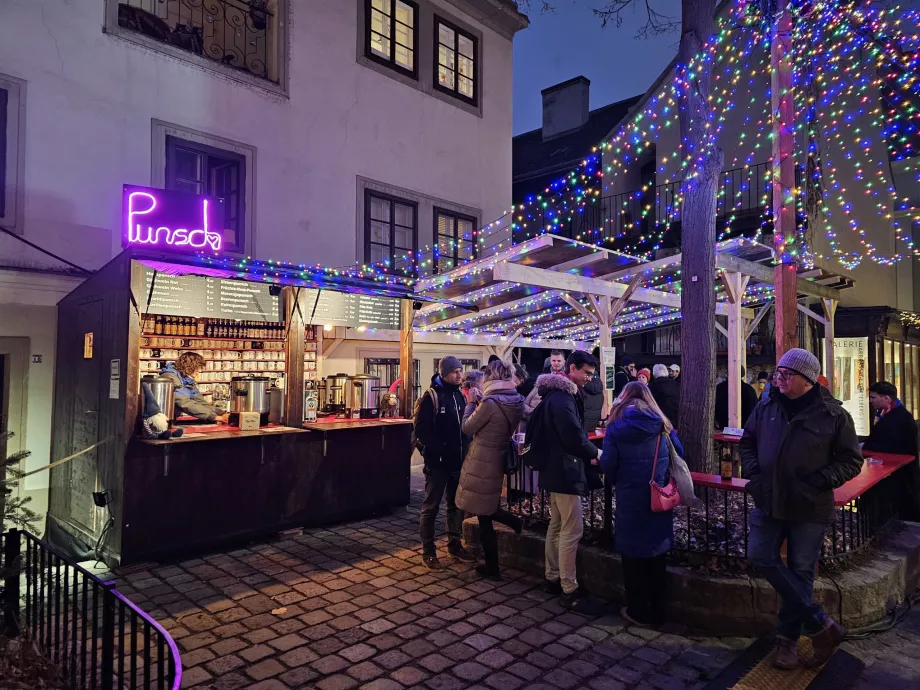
x=857, y=595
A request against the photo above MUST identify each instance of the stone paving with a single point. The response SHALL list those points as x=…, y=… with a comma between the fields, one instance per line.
x=352, y=606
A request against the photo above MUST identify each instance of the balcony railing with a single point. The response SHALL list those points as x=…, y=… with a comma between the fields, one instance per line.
x=238, y=33
x=743, y=193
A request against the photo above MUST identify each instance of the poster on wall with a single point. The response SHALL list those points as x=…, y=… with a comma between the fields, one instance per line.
x=851, y=379
x=608, y=366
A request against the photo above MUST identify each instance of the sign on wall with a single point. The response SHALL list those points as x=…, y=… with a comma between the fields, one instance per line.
x=170, y=220
x=851, y=380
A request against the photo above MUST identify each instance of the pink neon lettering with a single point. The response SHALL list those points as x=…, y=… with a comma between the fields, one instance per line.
x=142, y=203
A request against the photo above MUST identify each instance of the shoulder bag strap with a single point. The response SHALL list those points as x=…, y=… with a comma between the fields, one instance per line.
x=655, y=462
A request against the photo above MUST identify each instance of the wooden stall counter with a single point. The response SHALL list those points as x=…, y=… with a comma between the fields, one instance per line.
x=220, y=485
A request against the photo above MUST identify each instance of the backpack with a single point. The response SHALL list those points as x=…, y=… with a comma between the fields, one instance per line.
x=534, y=452
x=418, y=403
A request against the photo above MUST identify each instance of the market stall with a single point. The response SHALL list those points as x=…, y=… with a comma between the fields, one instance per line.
x=245, y=465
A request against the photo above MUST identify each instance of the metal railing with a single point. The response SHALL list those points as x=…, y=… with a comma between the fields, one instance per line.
x=716, y=533
x=236, y=33
x=82, y=625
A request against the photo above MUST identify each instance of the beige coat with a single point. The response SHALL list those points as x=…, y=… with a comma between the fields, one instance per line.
x=491, y=425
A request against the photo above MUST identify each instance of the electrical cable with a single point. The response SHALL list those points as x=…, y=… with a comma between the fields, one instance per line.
x=108, y=525
x=44, y=251
x=886, y=624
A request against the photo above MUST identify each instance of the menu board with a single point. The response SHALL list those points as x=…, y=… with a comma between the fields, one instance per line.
x=349, y=309
x=221, y=298
x=213, y=298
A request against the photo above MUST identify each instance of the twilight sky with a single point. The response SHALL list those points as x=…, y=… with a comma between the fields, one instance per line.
x=569, y=42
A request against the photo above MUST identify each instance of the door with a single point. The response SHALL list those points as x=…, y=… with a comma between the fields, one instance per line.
x=85, y=336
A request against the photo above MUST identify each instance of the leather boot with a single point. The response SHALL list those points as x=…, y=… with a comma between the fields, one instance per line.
x=825, y=643
x=786, y=655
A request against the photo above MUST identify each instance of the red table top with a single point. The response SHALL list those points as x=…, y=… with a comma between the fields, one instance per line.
x=857, y=486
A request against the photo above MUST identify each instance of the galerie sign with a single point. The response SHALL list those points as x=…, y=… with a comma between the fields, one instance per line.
x=166, y=219
x=851, y=380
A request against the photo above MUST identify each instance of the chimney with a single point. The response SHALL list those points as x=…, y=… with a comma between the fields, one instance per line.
x=565, y=106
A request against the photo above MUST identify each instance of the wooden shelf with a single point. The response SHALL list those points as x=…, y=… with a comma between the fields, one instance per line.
x=212, y=337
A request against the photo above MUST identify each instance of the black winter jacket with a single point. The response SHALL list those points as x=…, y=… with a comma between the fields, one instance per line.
x=594, y=403
x=896, y=432
x=620, y=379
x=795, y=465
x=748, y=403
x=438, y=433
x=569, y=447
x=666, y=392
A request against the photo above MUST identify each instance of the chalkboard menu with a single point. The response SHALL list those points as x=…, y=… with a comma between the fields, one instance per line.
x=213, y=298
x=219, y=298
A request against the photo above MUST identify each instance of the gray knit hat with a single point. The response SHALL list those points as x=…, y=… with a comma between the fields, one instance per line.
x=801, y=361
x=448, y=364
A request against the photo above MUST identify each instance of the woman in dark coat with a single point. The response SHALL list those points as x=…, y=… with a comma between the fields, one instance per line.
x=490, y=420
x=594, y=403
x=635, y=428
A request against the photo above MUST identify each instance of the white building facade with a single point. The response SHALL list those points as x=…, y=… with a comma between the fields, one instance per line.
x=337, y=131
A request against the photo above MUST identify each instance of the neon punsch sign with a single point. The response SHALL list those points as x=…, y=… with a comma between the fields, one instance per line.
x=166, y=219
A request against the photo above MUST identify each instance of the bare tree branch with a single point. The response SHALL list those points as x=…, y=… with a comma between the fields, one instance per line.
x=657, y=23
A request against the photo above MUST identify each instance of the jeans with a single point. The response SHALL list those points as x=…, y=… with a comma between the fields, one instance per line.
x=565, y=529
x=437, y=482
x=645, y=580
x=795, y=580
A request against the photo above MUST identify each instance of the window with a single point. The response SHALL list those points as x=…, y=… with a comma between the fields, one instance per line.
x=390, y=36
x=455, y=235
x=455, y=61
x=201, y=169
x=238, y=36
x=390, y=231
x=12, y=94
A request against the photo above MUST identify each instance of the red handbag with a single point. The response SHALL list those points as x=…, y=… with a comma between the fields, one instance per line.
x=664, y=498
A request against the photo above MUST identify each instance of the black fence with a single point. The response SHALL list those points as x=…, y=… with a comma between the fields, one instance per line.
x=715, y=534
x=82, y=625
x=236, y=33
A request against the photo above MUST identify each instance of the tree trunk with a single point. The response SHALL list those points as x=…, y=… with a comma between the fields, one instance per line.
x=698, y=230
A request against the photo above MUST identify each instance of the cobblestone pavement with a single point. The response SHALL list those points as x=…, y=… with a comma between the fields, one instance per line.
x=892, y=658
x=352, y=606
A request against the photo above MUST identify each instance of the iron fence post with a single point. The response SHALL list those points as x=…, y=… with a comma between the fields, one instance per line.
x=108, y=637
x=11, y=548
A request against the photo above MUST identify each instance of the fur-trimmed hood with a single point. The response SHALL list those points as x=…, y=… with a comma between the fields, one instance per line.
x=549, y=382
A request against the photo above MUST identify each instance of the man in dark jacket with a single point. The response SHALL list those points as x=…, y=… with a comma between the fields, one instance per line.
x=895, y=431
x=625, y=373
x=748, y=402
x=666, y=392
x=440, y=440
x=568, y=449
x=593, y=393
x=798, y=446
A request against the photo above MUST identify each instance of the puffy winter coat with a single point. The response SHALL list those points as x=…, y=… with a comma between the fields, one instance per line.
x=594, y=402
x=187, y=398
x=437, y=430
x=666, y=392
x=568, y=445
x=629, y=449
x=491, y=424
x=795, y=464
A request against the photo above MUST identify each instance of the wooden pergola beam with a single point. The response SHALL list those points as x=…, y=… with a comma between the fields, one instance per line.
x=764, y=274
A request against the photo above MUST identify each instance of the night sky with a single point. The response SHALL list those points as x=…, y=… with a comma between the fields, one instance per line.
x=569, y=42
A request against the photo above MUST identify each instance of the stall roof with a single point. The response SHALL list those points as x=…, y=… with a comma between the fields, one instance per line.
x=275, y=273
x=540, y=289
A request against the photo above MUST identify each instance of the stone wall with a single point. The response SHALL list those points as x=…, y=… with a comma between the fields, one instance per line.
x=857, y=595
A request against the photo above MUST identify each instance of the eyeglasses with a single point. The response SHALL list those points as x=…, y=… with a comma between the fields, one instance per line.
x=786, y=374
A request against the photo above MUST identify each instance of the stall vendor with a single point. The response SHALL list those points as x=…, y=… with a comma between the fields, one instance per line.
x=188, y=399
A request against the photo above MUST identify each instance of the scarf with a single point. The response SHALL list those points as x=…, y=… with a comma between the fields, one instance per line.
x=494, y=386
x=895, y=404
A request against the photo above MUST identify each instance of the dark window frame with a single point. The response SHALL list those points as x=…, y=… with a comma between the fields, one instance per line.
x=392, y=199
x=435, y=80
x=171, y=176
x=4, y=144
x=457, y=216
x=391, y=63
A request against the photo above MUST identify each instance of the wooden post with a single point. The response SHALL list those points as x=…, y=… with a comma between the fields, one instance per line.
x=783, y=106
x=830, y=308
x=293, y=355
x=735, y=284
x=406, y=359
x=604, y=340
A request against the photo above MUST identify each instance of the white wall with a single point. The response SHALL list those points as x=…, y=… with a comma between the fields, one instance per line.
x=91, y=98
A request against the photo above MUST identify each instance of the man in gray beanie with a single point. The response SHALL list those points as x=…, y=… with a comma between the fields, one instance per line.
x=798, y=446
x=440, y=440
